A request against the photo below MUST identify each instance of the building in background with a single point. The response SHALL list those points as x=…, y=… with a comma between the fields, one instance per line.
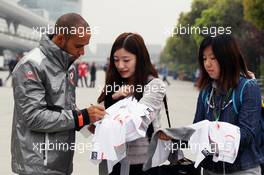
x=52, y=9
x=17, y=35
x=55, y=8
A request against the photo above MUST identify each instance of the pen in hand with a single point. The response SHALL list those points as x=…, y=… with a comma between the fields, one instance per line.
x=105, y=111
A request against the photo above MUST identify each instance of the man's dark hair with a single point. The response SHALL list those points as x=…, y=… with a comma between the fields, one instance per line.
x=68, y=22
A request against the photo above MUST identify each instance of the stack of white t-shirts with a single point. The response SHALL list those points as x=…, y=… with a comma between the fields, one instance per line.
x=123, y=123
x=220, y=139
x=227, y=138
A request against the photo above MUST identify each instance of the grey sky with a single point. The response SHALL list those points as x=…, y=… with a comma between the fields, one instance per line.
x=150, y=18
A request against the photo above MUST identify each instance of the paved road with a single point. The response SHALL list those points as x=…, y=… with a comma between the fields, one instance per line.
x=182, y=97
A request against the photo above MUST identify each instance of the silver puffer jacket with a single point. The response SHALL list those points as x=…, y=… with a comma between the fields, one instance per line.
x=43, y=134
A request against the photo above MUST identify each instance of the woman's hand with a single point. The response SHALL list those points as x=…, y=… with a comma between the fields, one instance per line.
x=124, y=91
x=163, y=136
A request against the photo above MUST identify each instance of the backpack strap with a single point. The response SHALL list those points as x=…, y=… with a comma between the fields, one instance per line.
x=234, y=101
x=236, y=105
x=244, y=85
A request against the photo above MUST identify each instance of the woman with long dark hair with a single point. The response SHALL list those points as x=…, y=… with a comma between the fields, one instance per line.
x=130, y=73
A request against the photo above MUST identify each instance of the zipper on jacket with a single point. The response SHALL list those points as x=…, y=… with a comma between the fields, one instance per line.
x=66, y=69
x=66, y=89
x=45, y=153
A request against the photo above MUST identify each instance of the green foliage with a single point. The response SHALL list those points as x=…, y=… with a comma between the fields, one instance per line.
x=182, y=50
x=254, y=12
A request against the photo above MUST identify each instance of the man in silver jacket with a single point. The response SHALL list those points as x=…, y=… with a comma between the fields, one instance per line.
x=45, y=114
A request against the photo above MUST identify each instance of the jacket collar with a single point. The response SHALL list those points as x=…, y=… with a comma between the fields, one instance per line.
x=54, y=53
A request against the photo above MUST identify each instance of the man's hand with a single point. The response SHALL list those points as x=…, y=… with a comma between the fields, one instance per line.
x=96, y=112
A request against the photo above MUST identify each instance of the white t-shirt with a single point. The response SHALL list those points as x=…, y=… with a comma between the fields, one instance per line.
x=220, y=139
x=123, y=123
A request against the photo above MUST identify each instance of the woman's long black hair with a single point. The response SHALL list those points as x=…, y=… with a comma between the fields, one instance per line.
x=134, y=44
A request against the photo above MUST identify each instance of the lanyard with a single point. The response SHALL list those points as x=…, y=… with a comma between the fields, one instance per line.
x=222, y=104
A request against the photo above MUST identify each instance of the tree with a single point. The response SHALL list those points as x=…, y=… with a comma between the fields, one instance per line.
x=254, y=12
x=214, y=14
x=182, y=49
